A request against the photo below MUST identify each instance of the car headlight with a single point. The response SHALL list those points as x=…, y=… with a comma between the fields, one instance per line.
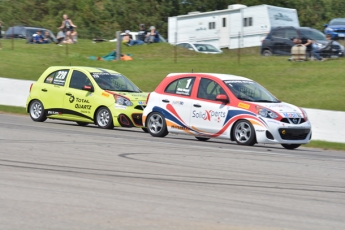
x=122, y=101
x=267, y=113
x=320, y=45
x=305, y=115
x=329, y=29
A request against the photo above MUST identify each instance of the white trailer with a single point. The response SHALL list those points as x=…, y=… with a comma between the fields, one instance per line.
x=236, y=27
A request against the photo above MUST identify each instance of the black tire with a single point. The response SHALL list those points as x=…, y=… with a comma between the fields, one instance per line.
x=104, y=119
x=202, y=138
x=244, y=133
x=156, y=125
x=82, y=123
x=145, y=130
x=36, y=111
x=267, y=53
x=291, y=146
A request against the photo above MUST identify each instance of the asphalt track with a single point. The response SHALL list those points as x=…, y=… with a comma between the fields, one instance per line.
x=56, y=175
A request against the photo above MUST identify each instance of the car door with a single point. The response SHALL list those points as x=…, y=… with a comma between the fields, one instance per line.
x=290, y=33
x=207, y=114
x=177, y=102
x=79, y=104
x=279, y=41
x=52, y=91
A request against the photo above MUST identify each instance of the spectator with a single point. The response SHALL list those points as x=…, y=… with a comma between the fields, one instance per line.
x=127, y=38
x=142, y=32
x=47, y=37
x=74, y=36
x=60, y=36
x=38, y=38
x=152, y=36
x=0, y=29
x=68, y=27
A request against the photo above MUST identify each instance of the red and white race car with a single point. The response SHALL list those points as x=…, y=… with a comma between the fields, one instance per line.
x=224, y=106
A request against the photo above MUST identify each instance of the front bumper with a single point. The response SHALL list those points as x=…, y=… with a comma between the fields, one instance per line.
x=278, y=132
x=127, y=116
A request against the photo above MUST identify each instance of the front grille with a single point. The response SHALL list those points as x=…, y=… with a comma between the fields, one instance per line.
x=339, y=31
x=137, y=118
x=269, y=135
x=294, y=134
x=140, y=107
x=287, y=120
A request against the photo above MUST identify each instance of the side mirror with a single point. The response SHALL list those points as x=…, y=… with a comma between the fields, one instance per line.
x=325, y=25
x=88, y=88
x=222, y=97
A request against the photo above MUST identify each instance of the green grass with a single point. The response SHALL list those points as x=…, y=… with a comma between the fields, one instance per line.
x=326, y=145
x=306, y=84
x=12, y=109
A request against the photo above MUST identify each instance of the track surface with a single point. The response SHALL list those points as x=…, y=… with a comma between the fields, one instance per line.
x=56, y=175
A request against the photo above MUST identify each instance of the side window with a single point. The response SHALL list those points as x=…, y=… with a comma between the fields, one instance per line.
x=79, y=80
x=247, y=22
x=211, y=25
x=181, y=86
x=224, y=22
x=290, y=33
x=209, y=89
x=188, y=46
x=279, y=33
x=57, y=77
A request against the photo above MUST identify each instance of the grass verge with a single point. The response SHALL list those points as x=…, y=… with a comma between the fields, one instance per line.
x=313, y=144
x=309, y=84
x=12, y=109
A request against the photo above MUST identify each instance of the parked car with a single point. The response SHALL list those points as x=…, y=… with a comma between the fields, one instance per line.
x=135, y=37
x=24, y=32
x=224, y=106
x=279, y=40
x=336, y=28
x=200, y=48
x=86, y=95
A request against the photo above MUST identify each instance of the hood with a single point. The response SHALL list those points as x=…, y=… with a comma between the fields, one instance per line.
x=283, y=109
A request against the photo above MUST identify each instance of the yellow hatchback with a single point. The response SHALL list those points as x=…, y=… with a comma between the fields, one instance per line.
x=86, y=95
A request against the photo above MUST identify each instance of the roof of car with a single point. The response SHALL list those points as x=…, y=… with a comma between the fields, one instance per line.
x=86, y=68
x=217, y=75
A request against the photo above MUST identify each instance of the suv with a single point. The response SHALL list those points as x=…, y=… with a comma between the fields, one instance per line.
x=25, y=32
x=279, y=40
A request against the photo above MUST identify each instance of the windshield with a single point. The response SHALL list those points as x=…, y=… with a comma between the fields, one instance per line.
x=114, y=82
x=206, y=48
x=312, y=34
x=338, y=22
x=250, y=91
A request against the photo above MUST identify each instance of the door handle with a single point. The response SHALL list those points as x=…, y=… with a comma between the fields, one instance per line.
x=197, y=105
x=68, y=94
x=166, y=101
x=44, y=90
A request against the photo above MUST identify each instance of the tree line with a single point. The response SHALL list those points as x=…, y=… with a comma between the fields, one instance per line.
x=101, y=18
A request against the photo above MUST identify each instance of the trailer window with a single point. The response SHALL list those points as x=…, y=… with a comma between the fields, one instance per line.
x=211, y=25
x=224, y=22
x=247, y=21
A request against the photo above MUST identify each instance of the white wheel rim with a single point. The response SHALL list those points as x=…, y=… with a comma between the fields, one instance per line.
x=155, y=123
x=36, y=110
x=243, y=132
x=103, y=117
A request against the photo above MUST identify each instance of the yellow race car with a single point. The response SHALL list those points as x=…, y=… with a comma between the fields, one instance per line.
x=86, y=95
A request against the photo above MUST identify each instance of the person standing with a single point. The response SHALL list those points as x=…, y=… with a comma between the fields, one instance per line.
x=68, y=27
x=0, y=29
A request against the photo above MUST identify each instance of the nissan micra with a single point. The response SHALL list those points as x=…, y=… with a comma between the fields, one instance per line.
x=224, y=106
x=86, y=95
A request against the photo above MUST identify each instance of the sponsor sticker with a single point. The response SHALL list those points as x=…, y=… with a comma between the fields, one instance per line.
x=142, y=102
x=177, y=102
x=291, y=115
x=243, y=105
x=121, y=107
x=105, y=94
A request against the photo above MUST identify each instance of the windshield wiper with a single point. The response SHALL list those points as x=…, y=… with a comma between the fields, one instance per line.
x=268, y=101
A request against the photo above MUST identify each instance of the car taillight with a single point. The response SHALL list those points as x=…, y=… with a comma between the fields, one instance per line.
x=147, y=99
x=30, y=87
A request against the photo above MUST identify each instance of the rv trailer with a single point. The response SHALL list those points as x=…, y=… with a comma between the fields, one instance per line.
x=236, y=27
